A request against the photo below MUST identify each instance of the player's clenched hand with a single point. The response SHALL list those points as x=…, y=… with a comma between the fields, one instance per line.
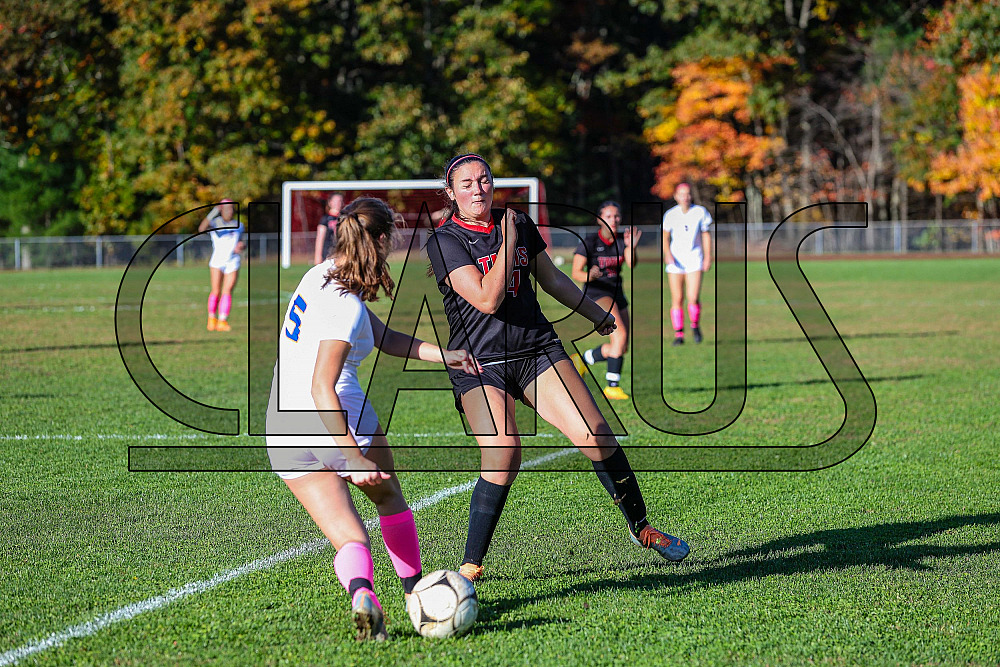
x=606, y=326
x=509, y=231
x=365, y=472
x=594, y=273
x=461, y=360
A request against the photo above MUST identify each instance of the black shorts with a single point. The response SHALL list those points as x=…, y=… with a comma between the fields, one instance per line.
x=512, y=376
x=595, y=292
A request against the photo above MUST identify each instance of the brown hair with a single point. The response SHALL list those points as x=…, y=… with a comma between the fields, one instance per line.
x=453, y=164
x=364, y=237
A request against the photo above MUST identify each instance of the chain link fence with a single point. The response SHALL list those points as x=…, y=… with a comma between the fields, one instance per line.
x=973, y=237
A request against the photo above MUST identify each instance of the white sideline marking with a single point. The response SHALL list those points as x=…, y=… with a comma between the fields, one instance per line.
x=197, y=436
x=130, y=611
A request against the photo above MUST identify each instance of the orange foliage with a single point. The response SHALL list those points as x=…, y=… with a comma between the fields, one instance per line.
x=975, y=165
x=708, y=134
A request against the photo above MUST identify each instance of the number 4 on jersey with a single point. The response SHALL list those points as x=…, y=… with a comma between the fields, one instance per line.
x=515, y=282
x=294, y=317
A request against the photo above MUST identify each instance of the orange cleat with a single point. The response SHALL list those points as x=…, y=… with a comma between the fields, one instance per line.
x=471, y=571
x=670, y=547
x=222, y=325
x=212, y=323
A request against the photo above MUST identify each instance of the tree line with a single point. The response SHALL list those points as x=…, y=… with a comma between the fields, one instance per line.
x=117, y=115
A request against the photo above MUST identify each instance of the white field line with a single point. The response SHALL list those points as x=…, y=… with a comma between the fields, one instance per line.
x=174, y=594
x=204, y=436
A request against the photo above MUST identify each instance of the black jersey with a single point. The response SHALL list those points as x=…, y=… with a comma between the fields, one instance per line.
x=609, y=257
x=330, y=240
x=518, y=328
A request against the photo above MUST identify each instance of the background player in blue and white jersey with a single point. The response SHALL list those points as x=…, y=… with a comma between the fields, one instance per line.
x=483, y=261
x=326, y=334
x=687, y=252
x=597, y=263
x=224, y=265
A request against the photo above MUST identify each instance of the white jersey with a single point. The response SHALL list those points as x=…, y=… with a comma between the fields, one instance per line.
x=317, y=313
x=224, y=241
x=685, y=237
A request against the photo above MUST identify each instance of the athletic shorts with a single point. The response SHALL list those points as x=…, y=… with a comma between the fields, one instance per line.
x=596, y=293
x=297, y=455
x=689, y=263
x=225, y=263
x=512, y=376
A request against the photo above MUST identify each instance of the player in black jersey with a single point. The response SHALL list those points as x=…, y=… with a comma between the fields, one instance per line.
x=597, y=264
x=483, y=260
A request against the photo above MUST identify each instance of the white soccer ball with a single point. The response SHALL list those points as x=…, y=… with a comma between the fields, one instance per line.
x=443, y=604
x=559, y=260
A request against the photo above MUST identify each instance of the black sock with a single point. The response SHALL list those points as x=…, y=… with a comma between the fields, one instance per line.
x=487, y=503
x=410, y=582
x=617, y=477
x=357, y=583
x=596, y=354
x=614, y=373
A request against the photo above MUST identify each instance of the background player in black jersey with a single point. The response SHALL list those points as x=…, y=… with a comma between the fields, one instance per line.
x=597, y=264
x=483, y=259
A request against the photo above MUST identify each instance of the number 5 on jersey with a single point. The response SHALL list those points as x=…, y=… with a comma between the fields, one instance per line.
x=294, y=317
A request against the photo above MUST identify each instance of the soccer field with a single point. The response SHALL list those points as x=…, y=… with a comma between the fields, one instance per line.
x=891, y=557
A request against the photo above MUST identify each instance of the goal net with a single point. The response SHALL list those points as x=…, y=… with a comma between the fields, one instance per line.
x=303, y=204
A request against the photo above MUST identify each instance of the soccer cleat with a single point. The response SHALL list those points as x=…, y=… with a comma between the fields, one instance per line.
x=615, y=393
x=670, y=547
x=368, y=617
x=678, y=340
x=579, y=364
x=212, y=323
x=471, y=571
x=222, y=325
x=697, y=334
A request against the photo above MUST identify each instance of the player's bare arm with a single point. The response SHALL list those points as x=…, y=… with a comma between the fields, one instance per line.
x=668, y=257
x=487, y=291
x=631, y=238
x=706, y=244
x=399, y=344
x=580, y=272
x=565, y=291
x=329, y=363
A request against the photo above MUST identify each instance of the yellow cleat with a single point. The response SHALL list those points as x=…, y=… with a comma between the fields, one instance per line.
x=222, y=325
x=471, y=571
x=212, y=323
x=615, y=393
x=579, y=364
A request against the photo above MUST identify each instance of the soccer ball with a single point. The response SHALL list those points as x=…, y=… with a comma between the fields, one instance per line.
x=443, y=604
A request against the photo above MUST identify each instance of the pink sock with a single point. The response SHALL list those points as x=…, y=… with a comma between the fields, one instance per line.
x=400, y=536
x=694, y=312
x=354, y=568
x=677, y=319
x=213, y=303
x=225, y=303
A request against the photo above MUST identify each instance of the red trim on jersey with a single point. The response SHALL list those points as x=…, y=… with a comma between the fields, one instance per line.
x=600, y=235
x=473, y=228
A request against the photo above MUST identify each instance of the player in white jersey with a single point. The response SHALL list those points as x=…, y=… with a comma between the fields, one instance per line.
x=224, y=265
x=326, y=333
x=687, y=251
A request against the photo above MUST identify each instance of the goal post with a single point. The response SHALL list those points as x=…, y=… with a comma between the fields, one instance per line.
x=378, y=188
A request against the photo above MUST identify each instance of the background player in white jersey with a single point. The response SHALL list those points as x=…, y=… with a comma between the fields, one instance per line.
x=224, y=265
x=326, y=333
x=483, y=260
x=687, y=251
x=597, y=263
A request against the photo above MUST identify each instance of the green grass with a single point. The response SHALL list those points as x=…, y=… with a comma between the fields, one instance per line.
x=889, y=558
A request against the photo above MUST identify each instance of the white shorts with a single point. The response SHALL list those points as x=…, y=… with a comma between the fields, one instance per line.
x=297, y=455
x=225, y=263
x=687, y=264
